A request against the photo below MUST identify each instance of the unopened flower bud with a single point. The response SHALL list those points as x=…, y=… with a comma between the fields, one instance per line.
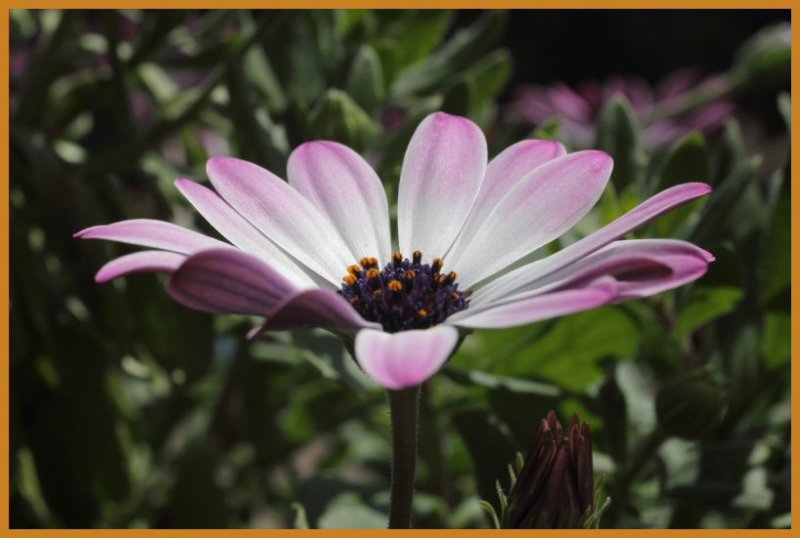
x=690, y=405
x=555, y=487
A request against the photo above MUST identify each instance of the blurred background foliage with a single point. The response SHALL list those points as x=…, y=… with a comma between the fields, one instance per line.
x=128, y=410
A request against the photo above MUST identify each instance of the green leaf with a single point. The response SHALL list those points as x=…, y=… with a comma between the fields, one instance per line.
x=777, y=343
x=300, y=519
x=489, y=445
x=407, y=37
x=610, y=403
x=706, y=305
x=776, y=260
x=785, y=108
x=491, y=73
x=261, y=75
x=512, y=384
x=337, y=117
x=347, y=511
x=687, y=161
x=256, y=136
x=365, y=80
x=713, y=219
x=460, y=97
x=462, y=49
x=618, y=133
x=730, y=154
x=548, y=129
x=572, y=354
x=296, y=46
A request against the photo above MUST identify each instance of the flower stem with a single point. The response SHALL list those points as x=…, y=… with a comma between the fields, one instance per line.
x=404, y=410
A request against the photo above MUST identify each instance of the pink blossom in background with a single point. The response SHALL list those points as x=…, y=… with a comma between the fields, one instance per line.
x=318, y=250
x=578, y=109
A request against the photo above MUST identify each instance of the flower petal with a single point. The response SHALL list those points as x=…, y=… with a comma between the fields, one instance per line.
x=441, y=176
x=148, y=261
x=529, y=309
x=542, y=206
x=641, y=267
x=525, y=277
x=229, y=281
x=343, y=186
x=503, y=173
x=282, y=214
x=154, y=234
x=404, y=359
x=314, y=308
x=239, y=231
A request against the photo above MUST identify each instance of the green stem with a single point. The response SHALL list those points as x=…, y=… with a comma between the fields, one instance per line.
x=404, y=410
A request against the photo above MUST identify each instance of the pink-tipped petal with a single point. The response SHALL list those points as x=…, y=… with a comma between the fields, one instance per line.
x=503, y=173
x=344, y=187
x=153, y=234
x=239, y=231
x=282, y=214
x=525, y=277
x=316, y=308
x=228, y=281
x=513, y=313
x=405, y=359
x=641, y=267
x=148, y=261
x=441, y=176
x=542, y=206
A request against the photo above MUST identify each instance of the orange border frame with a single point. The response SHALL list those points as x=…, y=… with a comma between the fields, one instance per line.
x=6, y=7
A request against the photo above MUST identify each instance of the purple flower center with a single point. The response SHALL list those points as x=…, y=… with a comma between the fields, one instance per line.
x=405, y=294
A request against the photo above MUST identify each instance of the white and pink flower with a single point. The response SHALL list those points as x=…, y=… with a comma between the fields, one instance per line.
x=317, y=250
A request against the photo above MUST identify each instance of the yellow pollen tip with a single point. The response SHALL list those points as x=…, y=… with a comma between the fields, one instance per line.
x=397, y=256
x=454, y=296
x=452, y=276
x=422, y=313
x=349, y=280
x=437, y=264
x=354, y=269
x=395, y=285
x=364, y=262
x=377, y=293
x=417, y=256
x=439, y=277
x=409, y=275
x=373, y=273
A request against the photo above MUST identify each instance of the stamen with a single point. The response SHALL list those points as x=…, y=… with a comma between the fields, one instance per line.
x=373, y=277
x=404, y=294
